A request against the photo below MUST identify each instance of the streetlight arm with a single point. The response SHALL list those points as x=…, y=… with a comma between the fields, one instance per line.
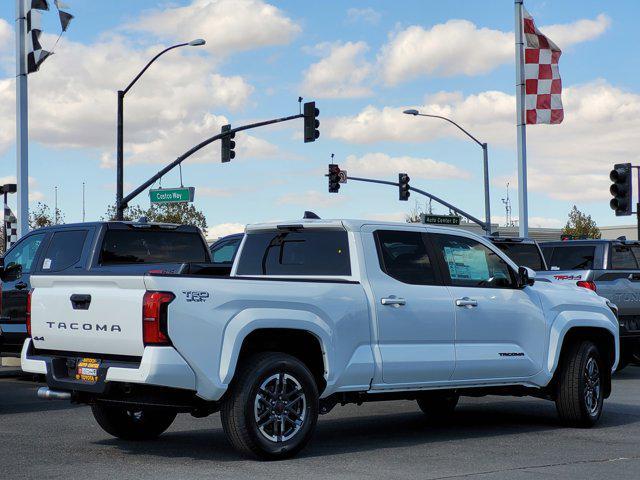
x=149, y=64
x=453, y=123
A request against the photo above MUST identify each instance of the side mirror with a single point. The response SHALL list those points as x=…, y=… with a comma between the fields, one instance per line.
x=526, y=277
x=11, y=272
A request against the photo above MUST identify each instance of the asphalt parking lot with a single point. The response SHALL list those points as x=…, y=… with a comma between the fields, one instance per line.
x=489, y=438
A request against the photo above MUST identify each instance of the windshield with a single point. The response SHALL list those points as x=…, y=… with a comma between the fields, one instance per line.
x=523, y=254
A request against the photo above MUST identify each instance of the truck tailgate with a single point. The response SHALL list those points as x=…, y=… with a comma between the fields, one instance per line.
x=88, y=314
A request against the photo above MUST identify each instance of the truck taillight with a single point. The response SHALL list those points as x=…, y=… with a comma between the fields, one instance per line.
x=589, y=285
x=154, y=317
x=28, y=313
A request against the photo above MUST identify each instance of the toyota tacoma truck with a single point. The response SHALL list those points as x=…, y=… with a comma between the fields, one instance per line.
x=316, y=313
x=611, y=268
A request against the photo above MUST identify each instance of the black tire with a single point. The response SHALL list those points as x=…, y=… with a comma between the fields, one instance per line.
x=580, y=392
x=246, y=403
x=438, y=406
x=130, y=423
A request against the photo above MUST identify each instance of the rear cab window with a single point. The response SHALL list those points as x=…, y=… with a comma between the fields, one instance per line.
x=320, y=252
x=574, y=257
x=138, y=246
x=523, y=254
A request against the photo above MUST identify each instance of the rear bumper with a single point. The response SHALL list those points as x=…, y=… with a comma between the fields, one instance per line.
x=159, y=366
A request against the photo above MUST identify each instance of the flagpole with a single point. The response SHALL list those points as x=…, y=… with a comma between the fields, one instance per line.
x=22, y=125
x=523, y=207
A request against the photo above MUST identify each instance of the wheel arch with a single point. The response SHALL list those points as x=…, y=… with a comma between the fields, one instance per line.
x=604, y=340
x=298, y=333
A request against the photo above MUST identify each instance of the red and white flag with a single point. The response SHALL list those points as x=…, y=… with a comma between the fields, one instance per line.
x=543, y=86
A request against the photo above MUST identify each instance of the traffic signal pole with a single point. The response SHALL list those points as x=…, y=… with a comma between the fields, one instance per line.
x=125, y=201
x=485, y=227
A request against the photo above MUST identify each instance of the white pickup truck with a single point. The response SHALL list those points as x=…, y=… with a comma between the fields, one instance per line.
x=316, y=313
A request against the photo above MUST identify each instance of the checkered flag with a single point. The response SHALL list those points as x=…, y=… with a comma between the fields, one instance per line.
x=34, y=8
x=543, y=86
x=11, y=225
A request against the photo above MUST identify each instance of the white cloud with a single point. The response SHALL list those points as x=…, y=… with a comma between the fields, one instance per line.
x=165, y=114
x=366, y=15
x=579, y=31
x=222, y=229
x=378, y=164
x=342, y=72
x=311, y=198
x=459, y=47
x=228, y=26
x=569, y=161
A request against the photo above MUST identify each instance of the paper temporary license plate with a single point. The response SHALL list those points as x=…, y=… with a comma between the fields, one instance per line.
x=87, y=370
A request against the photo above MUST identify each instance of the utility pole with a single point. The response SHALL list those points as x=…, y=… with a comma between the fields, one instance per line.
x=22, y=122
x=55, y=211
x=83, y=210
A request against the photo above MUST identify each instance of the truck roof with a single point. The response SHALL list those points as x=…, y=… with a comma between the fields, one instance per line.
x=113, y=223
x=352, y=225
x=588, y=241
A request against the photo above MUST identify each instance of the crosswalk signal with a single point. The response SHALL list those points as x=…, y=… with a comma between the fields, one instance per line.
x=311, y=122
x=334, y=178
x=621, y=189
x=403, y=186
x=228, y=145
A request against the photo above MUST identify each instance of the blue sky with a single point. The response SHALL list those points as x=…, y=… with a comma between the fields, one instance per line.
x=363, y=62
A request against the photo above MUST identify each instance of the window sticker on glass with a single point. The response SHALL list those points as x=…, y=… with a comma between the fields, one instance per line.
x=46, y=265
x=466, y=263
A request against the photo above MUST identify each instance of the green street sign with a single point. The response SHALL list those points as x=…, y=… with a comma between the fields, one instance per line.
x=172, y=195
x=440, y=219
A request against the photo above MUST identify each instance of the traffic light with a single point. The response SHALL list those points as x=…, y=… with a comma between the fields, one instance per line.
x=621, y=189
x=228, y=145
x=311, y=122
x=403, y=186
x=334, y=178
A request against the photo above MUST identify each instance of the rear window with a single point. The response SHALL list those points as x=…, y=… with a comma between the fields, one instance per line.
x=572, y=258
x=523, y=254
x=313, y=253
x=64, y=250
x=623, y=258
x=151, y=246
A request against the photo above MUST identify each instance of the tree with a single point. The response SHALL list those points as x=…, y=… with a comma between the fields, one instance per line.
x=42, y=216
x=580, y=225
x=181, y=213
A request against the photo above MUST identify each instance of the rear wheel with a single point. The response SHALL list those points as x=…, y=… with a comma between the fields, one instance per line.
x=271, y=408
x=438, y=406
x=580, y=392
x=133, y=423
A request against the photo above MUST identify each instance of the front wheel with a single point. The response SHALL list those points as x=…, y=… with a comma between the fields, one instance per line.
x=271, y=409
x=132, y=423
x=580, y=393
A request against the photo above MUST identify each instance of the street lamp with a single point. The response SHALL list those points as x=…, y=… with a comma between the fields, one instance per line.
x=120, y=141
x=487, y=203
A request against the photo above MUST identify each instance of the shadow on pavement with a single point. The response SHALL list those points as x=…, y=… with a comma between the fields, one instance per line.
x=18, y=395
x=373, y=432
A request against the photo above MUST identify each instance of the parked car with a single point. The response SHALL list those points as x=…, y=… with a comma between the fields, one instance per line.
x=612, y=269
x=98, y=248
x=316, y=313
x=224, y=250
x=523, y=251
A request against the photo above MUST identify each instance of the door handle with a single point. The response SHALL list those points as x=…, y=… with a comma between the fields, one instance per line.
x=393, y=301
x=80, y=301
x=21, y=285
x=466, y=302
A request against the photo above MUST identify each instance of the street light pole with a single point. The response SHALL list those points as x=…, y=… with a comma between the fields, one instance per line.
x=120, y=126
x=485, y=153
